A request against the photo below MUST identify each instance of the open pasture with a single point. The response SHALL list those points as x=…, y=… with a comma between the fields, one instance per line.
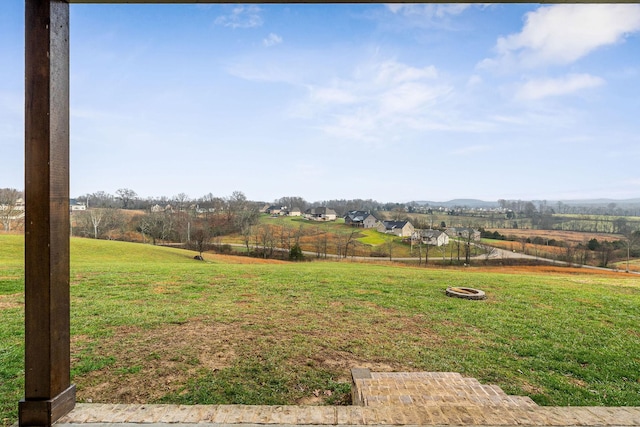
x=152, y=324
x=572, y=237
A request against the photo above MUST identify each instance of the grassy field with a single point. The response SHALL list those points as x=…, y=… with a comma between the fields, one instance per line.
x=151, y=324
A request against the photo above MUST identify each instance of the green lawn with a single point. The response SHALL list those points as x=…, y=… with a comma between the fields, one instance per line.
x=151, y=324
x=374, y=238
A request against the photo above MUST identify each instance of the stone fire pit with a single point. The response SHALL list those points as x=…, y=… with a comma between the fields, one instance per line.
x=466, y=293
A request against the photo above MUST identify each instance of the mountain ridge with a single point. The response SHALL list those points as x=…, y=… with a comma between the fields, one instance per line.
x=477, y=203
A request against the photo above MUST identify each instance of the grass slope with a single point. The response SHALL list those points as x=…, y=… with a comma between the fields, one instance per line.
x=151, y=324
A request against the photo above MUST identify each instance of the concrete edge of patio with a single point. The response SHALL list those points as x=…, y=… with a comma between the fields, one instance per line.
x=90, y=415
x=380, y=399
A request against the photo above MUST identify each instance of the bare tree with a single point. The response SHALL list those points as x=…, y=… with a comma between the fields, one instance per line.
x=443, y=249
x=10, y=209
x=343, y=241
x=267, y=240
x=182, y=201
x=246, y=220
x=126, y=197
x=399, y=214
x=427, y=247
x=606, y=249
x=467, y=245
x=236, y=203
x=200, y=237
x=489, y=251
x=298, y=234
x=95, y=216
x=99, y=222
x=285, y=234
x=157, y=225
x=320, y=242
x=114, y=222
x=292, y=202
x=350, y=242
x=632, y=239
x=99, y=199
x=389, y=244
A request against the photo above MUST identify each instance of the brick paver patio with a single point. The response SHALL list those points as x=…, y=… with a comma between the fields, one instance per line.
x=417, y=398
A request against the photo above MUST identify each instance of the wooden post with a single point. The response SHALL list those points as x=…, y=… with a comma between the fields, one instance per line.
x=48, y=392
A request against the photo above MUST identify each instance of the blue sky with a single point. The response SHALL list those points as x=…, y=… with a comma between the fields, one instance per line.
x=388, y=102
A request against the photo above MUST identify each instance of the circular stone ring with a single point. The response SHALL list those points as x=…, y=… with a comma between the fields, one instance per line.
x=466, y=293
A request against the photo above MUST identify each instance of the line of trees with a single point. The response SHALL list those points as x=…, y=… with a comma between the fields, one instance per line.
x=171, y=222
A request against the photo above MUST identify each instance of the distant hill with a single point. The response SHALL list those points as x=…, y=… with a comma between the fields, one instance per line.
x=470, y=203
x=600, y=202
x=476, y=203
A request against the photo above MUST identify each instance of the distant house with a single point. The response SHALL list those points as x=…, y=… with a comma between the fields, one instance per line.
x=362, y=219
x=320, y=214
x=294, y=212
x=398, y=228
x=276, y=210
x=431, y=237
x=463, y=233
x=75, y=205
x=157, y=208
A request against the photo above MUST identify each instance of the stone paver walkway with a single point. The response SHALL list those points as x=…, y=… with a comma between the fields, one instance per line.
x=437, y=399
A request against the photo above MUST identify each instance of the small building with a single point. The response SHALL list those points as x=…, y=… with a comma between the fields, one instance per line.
x=276, y=210
x=157, y=208
x=294, y=212
x=398, y=228
x=431, y=237
x=75, y=205
x=320, y=214
x=361, y=219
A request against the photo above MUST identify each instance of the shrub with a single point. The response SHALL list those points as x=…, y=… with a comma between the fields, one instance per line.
x=295, y=253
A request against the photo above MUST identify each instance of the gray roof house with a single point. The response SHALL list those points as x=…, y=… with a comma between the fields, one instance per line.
x=399, y=228
x=431, y=237
x=276, y=210
x=362, y=219
x=320, y=214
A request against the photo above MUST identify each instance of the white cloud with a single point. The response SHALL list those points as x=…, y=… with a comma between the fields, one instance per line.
x=272, y=40
x=391, y=72
x=562, y=34
x=511, y=120
x=471, y=150
x=378, y=99
x=247, y=16
x=428, y=10
x=474, y=80
x=543, y=88
x=331, y=95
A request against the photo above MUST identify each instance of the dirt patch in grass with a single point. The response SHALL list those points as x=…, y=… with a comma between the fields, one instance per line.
x=150, y=364
x=531, y=389
x=11, y=301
